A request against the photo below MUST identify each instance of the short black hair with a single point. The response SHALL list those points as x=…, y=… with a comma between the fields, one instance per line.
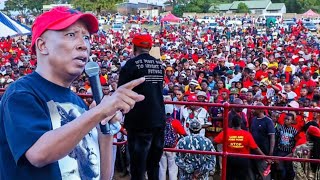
x=236, y=121
x=290, y=115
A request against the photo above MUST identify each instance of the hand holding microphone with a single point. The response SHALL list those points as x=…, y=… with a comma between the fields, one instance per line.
x=123, y=99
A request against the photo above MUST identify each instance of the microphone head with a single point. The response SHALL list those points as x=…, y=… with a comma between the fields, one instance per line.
x=92, y=69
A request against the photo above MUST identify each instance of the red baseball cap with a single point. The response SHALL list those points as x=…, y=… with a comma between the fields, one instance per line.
x=192, y=98
x=142, y=40
x=314, y=131
x=59, y=18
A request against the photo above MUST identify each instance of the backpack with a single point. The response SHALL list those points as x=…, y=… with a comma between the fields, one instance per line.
x=170, y=136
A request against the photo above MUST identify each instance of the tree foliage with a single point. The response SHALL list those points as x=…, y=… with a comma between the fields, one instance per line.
x=198, y=6
x=242, y=8
x=178, y=10
x=202, y=6
x=300, y=6
x=26, y=6
x=95, y=5
x=305, y=5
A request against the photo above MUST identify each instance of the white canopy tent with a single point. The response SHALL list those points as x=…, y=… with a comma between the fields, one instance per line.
x=9, y=27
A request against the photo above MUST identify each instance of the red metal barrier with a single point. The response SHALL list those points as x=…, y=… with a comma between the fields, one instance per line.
x=224, y=153
x=249, y=156
x=120, y=143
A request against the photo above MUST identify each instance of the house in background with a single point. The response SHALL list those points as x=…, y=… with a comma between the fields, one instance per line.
x=255, y=6
x=140, y=6
x=148, y=12
x=47, y=7
x=277, y=8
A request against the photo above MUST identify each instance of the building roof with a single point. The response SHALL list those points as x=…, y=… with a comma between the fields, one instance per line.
x=275, y=6
x=258, y=4
x=223, y=7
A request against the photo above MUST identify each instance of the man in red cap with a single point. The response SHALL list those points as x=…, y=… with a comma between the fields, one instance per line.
x=145, y=123
x=47, y=131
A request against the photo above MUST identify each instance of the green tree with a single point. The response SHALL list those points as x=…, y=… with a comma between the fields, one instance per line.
x=178, y=10
x=95, y=5
x=300, y=6
x=26, y=6
x=305, y=5
x=242, y=8
x=199, y=6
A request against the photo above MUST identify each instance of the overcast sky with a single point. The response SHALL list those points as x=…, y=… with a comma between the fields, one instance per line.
x=2, y=4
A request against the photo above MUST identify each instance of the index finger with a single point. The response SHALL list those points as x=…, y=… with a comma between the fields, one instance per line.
x=134, y=83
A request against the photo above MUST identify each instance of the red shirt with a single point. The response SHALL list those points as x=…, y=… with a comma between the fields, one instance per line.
x=260, y=75
x=240, y=63
x=239, y=141
x=308, y=83
x=297, y=91
x=195, y=58
x=33, y=62
x=300, y=138
x=103, y=80
x=247, y=83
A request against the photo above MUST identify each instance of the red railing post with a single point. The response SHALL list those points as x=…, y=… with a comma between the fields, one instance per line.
x=226, y=108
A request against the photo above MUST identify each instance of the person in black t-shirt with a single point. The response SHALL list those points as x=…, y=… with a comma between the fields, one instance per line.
x=46, y=130
x=146, y=121
x=263, y=133
x=285, y=140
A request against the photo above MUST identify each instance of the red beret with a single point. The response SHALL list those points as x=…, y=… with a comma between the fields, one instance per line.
x=142, y=40
x=314, y=131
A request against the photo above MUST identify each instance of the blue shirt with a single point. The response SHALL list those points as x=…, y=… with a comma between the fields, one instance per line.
x=31, y=107
x=261, y=129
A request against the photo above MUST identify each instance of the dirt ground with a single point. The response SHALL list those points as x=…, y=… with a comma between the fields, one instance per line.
x=118, y=177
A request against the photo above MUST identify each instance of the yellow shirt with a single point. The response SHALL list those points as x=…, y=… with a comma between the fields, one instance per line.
x=273, y=65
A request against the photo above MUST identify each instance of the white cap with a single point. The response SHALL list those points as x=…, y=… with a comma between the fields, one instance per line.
x=294, y=104
x=291, y=95
x=244, y=90
x=250, y=66
x=201, y=93
x=194, y=82
x=10, y=80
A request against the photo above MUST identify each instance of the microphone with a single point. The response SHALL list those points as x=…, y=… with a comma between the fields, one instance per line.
x=92, y=70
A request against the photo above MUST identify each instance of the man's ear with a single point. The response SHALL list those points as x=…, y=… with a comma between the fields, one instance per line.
x=40, y=46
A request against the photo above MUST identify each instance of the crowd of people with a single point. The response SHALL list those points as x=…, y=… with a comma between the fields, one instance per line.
x=237, y=65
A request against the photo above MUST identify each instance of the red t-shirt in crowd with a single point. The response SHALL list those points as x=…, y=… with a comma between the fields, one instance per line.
x=299, y=119
x=260, y=75
x=247, y=83
x=308, y=83
x=240, y=63
x=300, y=138
x=297, y=91
x=239, y=141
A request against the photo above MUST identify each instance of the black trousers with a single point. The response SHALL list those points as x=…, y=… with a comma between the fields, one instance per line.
x=145, y=150
x=239, y=169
